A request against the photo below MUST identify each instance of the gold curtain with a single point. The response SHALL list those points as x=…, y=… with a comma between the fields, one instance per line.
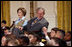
x=31, y=9
x=64, y=15
x=5, y=11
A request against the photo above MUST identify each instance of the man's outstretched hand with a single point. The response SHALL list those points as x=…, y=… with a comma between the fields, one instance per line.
x=44, y=29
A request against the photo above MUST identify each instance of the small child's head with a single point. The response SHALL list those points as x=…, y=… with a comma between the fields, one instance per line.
x=33, y=37
x=67, y=36
x=58, y=42
x=3, y=23
x=53, y=32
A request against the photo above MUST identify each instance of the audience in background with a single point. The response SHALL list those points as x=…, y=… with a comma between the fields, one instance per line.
x=57, y=37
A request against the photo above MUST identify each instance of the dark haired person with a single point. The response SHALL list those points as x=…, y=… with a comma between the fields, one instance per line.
x=24, y=41
x=20, y=22
x=34, y=40
x=53, y=31
x=3, y=26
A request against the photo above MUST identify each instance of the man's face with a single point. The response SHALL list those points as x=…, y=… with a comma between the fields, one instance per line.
x=52, y=34
x=40, y=13
x=2, y=24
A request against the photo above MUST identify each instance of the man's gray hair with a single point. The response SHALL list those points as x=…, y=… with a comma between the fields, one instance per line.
x=39, y=9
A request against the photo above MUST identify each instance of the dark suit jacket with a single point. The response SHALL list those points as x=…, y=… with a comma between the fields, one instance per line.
x=37, y=28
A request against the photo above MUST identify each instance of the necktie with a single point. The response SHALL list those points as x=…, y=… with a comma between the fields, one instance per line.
x=35, y=21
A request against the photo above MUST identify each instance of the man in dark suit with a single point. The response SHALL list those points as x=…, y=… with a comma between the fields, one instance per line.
x=36, y=24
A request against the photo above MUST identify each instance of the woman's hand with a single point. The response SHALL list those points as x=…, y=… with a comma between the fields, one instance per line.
x=21, y=28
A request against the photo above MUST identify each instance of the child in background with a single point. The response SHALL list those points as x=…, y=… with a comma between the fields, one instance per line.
x=34, y=40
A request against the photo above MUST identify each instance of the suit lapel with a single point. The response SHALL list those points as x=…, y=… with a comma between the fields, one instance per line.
x=36, y=24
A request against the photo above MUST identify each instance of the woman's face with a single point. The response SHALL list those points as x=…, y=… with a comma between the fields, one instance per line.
x=3, y=41
x=20, y=14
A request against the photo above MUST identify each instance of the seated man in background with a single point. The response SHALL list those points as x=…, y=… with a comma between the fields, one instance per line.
x=37, y=23
x=3, y=26
x=67, y=38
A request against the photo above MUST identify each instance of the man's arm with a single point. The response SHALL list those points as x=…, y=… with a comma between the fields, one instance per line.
x=44, y=29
